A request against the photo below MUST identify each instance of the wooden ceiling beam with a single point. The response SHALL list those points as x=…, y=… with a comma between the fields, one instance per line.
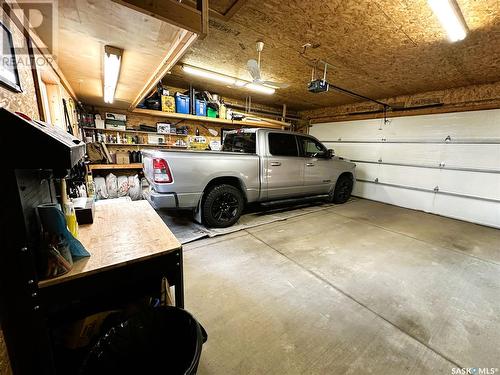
x=173, y=12
x=228, y=14
x=170, y=60
x=234, y=8
x=202, y=6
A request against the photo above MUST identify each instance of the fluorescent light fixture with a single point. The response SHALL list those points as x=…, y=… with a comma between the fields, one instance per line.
x=451, y=18
x=208, y=74
x=112, y=62
x=232, y=81
x=240, y=83
x=260, y=88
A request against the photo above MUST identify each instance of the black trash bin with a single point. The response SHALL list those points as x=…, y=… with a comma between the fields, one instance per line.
x=163, y=340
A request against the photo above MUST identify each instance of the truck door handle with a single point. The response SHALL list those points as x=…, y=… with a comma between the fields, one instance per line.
x=275, y=164
x=309, y=164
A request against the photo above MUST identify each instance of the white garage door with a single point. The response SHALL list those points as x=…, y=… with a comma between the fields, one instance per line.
x=448, y=164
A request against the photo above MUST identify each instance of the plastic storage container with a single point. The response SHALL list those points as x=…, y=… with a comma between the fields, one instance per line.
x=182, y=103
x=211, y=112
x=200, y=107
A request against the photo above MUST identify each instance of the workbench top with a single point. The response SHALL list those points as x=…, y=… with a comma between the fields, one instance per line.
x=123, y=232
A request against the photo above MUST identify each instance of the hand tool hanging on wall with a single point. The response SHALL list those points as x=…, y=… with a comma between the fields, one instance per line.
x=66, y=118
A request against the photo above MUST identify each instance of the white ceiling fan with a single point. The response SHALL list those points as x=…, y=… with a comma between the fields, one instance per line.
x=253, y=67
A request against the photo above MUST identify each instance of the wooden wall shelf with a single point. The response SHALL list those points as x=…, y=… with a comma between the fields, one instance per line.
x=132, y=131
x=182, y=116
x=143, y=145
x=115, y=166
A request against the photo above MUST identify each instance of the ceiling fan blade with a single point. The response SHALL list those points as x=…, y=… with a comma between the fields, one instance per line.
x=275, y=85
x=253, y=69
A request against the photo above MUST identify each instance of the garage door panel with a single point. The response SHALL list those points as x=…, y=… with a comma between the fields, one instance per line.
x=484, y=185
x=452, y=155
x=366, y=130
x=478, y=125
x=413, y=199
x=370, y=152
x=476, y=211
x=463, y=125
x=462, y=169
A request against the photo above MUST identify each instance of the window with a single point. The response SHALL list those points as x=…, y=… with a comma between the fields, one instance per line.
x=239, y=142
x=282, y=144
x=312, y=148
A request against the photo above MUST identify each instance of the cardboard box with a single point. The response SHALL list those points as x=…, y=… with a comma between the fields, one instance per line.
x=115, y=116
x=115, y=125
x=99, y=124
x=82, y=332
x=163, y=128
x=122, y=157
x=155, y=139
x=168, y=104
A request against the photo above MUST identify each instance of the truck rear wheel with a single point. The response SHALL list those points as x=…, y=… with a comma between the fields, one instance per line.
x=343, y=188
x=222, y=206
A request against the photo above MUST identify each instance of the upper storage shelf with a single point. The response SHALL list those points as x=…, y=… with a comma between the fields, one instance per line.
x=181, y=116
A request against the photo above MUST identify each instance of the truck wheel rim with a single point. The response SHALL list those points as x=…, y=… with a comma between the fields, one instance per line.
x=225, y=207
x=344, y=189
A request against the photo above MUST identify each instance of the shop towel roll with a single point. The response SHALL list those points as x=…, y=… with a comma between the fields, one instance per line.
x=53, y=221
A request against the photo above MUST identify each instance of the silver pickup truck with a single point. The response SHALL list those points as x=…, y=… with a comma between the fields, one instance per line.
x=255, y=165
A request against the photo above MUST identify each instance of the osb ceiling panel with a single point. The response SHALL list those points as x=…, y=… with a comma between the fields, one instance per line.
x=379, y=48
x=221, y=6
x=86, y=26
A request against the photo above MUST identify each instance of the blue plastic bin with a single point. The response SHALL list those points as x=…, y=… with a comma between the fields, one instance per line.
x=182, y=103
x=200, y=107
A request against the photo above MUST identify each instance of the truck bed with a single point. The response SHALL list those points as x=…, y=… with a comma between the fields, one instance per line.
x=205, y=166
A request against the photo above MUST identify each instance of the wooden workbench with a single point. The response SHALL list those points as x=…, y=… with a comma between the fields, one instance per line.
x=124, y=232
x=131, y=249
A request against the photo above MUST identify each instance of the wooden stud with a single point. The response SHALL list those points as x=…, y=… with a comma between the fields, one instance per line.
x=170, y=11
x=170, y=60
x=202, y=6
x=234, y=8
x=25, y=26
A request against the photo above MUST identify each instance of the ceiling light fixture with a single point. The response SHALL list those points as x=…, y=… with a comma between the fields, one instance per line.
x=451, y=18
x=112, y=63
x=260, y=88
x=208, y=74
x=232, y=81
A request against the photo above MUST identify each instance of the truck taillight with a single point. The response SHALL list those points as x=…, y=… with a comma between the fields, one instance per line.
x=161, y=171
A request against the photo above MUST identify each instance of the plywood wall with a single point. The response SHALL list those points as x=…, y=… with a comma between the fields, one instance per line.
x=25, y=101
x=469, y=98
x=134, y=120
x=4, y=357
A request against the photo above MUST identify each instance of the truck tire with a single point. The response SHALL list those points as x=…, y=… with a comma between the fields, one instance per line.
x=222, y=206
x=342, y=191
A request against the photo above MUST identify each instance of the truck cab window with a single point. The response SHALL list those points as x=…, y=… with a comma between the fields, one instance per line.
x=282, y=144
x=240, y=142
x=312, y=148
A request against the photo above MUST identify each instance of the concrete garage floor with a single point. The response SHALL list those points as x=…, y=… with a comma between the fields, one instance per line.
x=359, y=288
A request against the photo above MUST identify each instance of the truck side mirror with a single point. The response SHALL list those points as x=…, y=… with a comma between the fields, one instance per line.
x=331, y=153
